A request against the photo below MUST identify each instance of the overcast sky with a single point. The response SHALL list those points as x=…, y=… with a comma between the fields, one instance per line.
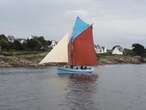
x=120, y=22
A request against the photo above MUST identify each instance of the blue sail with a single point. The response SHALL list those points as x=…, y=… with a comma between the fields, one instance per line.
x=79, y=27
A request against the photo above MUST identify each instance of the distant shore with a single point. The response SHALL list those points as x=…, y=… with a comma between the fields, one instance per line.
x=32, y=59
x=21, y=59
x=121, y=59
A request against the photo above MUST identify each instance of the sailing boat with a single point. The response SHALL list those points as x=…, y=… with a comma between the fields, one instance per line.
x=78, y=52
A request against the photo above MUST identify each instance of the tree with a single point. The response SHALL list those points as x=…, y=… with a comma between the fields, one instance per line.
x=138, y=49
x=17, y=45
x=43, y=44
x=2, y=36
x=4, y=43
x=33, y=44
x=49, y=42
x=36, y=43
x=128, y=51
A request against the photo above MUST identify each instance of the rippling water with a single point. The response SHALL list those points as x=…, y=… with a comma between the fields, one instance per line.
x=118, y=87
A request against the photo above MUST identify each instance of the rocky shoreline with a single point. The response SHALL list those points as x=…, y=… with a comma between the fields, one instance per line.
x=32, y=60
x=120, y=59
x=26, y=60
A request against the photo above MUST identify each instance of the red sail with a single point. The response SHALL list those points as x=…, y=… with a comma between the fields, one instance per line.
x=81, y=50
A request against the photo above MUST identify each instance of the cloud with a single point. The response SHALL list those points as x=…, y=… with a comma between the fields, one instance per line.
x=83, y=13
x=114, y=21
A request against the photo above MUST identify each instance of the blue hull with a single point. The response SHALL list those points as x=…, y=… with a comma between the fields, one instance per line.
x=70, y=71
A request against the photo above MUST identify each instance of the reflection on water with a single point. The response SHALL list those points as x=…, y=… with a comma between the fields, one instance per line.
x=117, y=87
x=81, y=94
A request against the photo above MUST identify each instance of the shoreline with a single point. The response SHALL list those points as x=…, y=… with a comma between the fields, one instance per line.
x=44, y=66
x=32, y=60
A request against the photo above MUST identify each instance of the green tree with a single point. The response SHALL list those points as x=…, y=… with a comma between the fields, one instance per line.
x=17, y=45
x=2, y=36
x=138, y=49
x=128, y=52
x=33, y=44
x=42, y=42
x=4, y=43
x=49, y=42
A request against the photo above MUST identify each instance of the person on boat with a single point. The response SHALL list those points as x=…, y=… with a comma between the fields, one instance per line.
x=82, y=67
x=85, y=67
x=71, y=66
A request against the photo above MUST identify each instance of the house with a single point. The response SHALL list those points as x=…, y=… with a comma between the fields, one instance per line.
x=117, y=50
x=11, y=38
x=53, y=43
x=21, y=40
x=100, y=49
x=104, y=50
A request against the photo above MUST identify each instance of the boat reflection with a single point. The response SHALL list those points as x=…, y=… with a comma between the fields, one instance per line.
x=81, y=92
x=81, y=77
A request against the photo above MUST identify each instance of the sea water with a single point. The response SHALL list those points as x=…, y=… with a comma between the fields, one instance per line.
x=117, y=87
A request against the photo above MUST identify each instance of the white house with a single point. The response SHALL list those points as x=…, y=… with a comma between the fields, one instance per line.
x=11, y=38
x=100, y=49
x=53, y=43
x=21, y=40
x=104, y=50
x=117, y=50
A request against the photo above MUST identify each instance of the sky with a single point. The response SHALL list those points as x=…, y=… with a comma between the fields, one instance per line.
x=115, y=22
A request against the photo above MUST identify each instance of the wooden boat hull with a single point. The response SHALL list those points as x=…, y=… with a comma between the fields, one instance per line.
x=63, y=70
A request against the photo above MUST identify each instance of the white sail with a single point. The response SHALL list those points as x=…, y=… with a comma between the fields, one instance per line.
x=59, y=54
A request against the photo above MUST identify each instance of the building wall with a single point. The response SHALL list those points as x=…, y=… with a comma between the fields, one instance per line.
x=117, y=52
